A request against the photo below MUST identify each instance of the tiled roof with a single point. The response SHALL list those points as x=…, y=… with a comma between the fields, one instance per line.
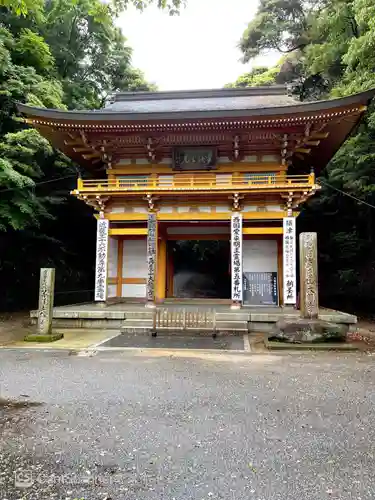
x=205, y=100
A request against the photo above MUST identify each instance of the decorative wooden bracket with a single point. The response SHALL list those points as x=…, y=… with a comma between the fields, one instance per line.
x=289, y=203
x=151, y=199
x=284, y=149
x=151, y=147
x=236, y=201
x=106, y=157
x=236, y=147
x=98, y=203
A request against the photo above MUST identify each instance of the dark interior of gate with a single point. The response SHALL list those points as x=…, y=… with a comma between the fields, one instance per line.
x=201, y=269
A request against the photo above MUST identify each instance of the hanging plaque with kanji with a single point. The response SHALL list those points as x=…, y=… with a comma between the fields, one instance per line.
x=151, y=256
x=236, y=257
x=101, y=260
x=289, y=261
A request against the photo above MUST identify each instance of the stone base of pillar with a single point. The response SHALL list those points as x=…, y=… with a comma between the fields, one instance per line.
x=236, y=305
x=150, y=305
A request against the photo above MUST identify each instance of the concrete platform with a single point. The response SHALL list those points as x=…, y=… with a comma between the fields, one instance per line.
x=135, y=318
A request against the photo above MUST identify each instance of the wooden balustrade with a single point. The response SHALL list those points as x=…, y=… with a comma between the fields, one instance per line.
x=197, y=182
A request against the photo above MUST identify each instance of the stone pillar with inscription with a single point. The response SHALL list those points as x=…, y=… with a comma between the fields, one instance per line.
x=46, y=296
x=309, y=275
x=101, y=260
x=289, y=261
x=151, y=258
x=236, y=260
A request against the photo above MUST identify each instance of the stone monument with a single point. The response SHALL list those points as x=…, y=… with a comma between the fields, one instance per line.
x=308, y=328
x=309, y=301
x=46, y=295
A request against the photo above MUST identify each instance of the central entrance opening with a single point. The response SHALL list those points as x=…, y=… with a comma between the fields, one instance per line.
x=201, y=269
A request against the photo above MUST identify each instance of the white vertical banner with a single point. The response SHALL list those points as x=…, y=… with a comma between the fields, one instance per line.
x=236, y=257
x=151, y=255
x=101, y=260
x=289, y=261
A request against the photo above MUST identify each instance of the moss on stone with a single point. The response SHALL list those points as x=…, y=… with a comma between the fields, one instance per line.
x=276, y=345
x=34, y=337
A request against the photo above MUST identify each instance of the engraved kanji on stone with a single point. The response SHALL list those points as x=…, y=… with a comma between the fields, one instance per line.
x=46, y=296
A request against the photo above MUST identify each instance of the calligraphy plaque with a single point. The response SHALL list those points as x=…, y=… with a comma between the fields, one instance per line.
x=101, y=260
x=236, y=257
x=260, y=289
x=194, y=158
x=151, y=255
x=289, y=261
x=46, y=295
x=309, y=275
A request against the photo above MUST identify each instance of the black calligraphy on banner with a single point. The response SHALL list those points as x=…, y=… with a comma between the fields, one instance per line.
x=101, y=260
x=236, y=254
x=151, y=256
x=289, y=261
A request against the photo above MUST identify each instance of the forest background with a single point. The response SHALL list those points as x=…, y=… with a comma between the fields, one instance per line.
x=69, y=54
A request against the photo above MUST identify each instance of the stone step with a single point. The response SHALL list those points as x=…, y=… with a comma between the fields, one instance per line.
x=143, y=314
x=236, y=326
x=232, y=316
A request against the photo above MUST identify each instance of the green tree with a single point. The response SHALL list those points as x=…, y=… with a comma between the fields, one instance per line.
x=259, y=76
x=329, y=48
x=58, y=54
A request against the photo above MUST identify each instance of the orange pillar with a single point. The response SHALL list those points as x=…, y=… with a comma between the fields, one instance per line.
x=161, y=275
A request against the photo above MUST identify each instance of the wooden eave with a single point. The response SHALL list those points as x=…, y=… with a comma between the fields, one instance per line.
x=318, y=130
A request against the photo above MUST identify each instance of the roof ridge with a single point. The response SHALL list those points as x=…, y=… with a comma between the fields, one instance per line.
x=200, y=93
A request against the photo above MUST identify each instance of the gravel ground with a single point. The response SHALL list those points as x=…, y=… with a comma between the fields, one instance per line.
x=202, y=426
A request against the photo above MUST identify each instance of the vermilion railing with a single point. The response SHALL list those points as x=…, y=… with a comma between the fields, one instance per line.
x=196, y=182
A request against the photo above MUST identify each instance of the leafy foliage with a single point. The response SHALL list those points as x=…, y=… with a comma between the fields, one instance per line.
x=66, y=54
x=257, y=77
x=330, y=47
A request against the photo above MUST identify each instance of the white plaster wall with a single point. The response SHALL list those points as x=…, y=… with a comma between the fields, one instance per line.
x=260, y=256
x=274, y=208
x=134, y=291
x=223, y=159
x=140, y=210
x=112, y=257
x=117, y=210
x=269, y=159
x=166, y=210
x=268, y=208
x=197, y=229
x=223, y=179
x=134, y=264
x=251, y=159
x=112, y=291
x=165, y=180
x=249, y=208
